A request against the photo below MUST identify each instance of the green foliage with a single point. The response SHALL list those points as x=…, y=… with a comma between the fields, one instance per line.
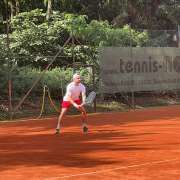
x=3, y=80
x=56, y=80
x=34, y=41
x=159, y=14
x=101, y=33
x=3, y=48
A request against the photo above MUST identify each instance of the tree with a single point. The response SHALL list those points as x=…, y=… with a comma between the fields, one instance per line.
x=13, y=5
x=49, y=8
x=17, y=6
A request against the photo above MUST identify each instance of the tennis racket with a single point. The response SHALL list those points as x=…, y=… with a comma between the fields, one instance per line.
x=90, y=98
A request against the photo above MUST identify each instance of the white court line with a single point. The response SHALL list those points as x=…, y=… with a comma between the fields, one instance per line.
x=45, y=118
x=24, y=120
x=112, y=169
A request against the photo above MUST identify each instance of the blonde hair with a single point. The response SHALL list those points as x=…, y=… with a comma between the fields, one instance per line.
x=75, y=75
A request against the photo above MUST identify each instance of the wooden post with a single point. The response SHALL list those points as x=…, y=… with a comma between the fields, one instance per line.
x=178, y=36
x=93, y=71
x=9, y=66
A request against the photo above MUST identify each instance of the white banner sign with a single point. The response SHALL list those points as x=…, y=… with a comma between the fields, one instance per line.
x=139, y=69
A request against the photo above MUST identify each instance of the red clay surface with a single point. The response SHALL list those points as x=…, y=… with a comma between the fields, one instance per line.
x=141, y=145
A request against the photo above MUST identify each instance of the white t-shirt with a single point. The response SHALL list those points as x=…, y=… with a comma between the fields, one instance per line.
x=74, y=91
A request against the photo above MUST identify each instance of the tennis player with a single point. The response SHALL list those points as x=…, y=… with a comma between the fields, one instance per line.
x=74, y=90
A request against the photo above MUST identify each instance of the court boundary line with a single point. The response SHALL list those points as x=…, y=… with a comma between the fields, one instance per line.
x=89, y=114
x=45, y=118
x=112, y=169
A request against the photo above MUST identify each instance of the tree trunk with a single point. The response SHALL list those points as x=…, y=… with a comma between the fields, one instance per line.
x=49, y=9
x=99, y=10
x=17, y=6
x=12, y=8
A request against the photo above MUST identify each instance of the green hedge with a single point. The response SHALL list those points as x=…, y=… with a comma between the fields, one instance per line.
x=56, y=80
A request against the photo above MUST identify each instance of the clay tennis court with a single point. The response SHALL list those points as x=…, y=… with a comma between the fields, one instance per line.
x=142, y=144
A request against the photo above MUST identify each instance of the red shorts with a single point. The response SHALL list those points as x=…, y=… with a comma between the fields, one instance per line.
x=67, y=104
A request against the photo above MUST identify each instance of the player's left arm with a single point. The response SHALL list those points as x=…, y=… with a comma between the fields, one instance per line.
x=83, y=98
x=83, y=93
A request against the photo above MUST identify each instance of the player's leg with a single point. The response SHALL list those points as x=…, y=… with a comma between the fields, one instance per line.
x=65, y=105
x=63, y=112
x=83, y=115
x=84, y=119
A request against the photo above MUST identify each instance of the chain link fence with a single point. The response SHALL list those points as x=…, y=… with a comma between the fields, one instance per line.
x=142, y=76
x=22, y=78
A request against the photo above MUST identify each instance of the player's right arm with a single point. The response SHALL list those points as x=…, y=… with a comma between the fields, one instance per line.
x=69, y=97
x=72, y=102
